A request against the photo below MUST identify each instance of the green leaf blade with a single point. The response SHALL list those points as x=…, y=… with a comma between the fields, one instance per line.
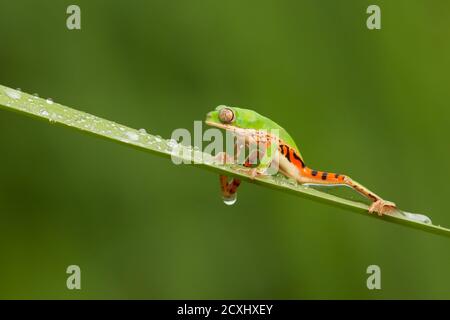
x=55, y=113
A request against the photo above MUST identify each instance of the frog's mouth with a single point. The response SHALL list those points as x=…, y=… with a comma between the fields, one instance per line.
x=219, y=125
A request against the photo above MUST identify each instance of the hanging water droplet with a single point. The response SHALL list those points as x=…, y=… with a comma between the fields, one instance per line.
x=229, y=201
x=14, y=94
x=132, y=135
x=143, y=131
x=49, y=100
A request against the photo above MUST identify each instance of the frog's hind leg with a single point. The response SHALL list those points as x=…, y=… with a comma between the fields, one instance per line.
x=229, y=188
x=379, y=205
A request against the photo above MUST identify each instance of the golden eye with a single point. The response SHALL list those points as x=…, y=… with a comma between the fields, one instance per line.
x=226, y=115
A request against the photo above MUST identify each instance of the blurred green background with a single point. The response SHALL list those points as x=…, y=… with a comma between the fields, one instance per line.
x=372, y=104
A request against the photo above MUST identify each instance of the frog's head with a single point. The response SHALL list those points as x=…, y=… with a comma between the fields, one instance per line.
x=225, y=117
x=230, y=118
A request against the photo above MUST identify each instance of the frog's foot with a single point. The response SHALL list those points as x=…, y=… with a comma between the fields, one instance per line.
x=381, y=207
x=223, y=158
x=253, y=173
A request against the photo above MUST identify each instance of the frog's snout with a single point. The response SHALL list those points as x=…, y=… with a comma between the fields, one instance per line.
x=211, y=116
x=208, y=117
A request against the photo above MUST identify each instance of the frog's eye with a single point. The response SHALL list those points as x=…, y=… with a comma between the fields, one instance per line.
x=226, y=115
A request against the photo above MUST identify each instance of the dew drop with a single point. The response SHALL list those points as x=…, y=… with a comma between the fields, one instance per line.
x=49, y=101
x=132, y=135
x=143, y=131
x=158, y=138
x=418, y=217
x=14, y=94
x=44, y=113
x=172, y=143
x=36, y=95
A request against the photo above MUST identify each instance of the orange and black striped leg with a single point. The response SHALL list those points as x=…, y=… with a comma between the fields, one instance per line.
x=229, y=189
x=378, y=205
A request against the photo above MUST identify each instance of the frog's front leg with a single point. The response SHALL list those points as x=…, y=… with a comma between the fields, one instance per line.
x=259, y=161
x=228, y=186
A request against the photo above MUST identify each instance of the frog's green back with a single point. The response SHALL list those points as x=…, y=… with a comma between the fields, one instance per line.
x=246, y=118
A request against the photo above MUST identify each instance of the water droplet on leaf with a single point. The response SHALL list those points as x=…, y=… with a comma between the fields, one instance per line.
x=44, y=113
x=418, y=217
x=14, y=94
x=172, y=143
x=132, y=135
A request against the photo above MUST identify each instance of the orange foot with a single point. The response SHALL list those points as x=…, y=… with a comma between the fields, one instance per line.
x=382, y=207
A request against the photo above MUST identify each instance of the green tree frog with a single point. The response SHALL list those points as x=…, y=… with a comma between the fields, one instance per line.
x=255, y=128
